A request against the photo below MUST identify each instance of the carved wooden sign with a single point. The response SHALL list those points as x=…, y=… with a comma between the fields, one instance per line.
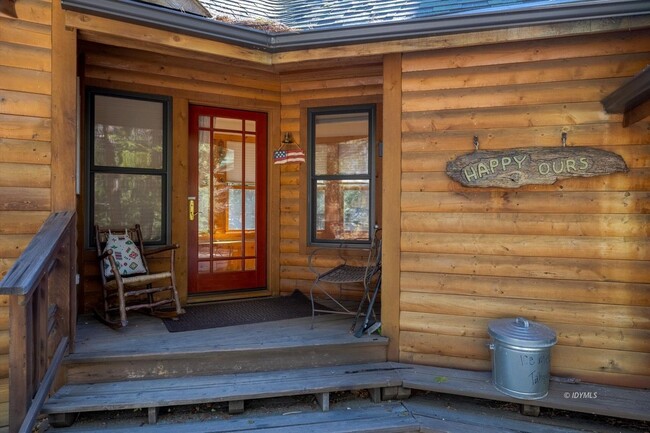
x=532, y=166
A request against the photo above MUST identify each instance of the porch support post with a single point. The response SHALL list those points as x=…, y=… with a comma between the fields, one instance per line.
x=392, y=172
x=236, y=407
x=323, y=400
x=152, y=415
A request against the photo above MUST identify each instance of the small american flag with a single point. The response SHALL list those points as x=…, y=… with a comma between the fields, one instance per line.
x=286, y=156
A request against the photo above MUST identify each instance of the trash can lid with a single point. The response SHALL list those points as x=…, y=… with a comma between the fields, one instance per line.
x=522, y=331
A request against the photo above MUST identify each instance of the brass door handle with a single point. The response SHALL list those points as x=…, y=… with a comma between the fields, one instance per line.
x=192, y=214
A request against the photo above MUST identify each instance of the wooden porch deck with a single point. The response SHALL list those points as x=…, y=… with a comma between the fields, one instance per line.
x=144, y=366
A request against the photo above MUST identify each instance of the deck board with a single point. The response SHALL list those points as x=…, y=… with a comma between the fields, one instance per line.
x=628, y=403
x=209, y=389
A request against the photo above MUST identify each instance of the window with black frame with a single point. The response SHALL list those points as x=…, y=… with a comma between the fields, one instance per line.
x=341, y=175
x=128, y=162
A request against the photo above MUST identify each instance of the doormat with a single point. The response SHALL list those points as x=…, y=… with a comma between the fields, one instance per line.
x=234, y=313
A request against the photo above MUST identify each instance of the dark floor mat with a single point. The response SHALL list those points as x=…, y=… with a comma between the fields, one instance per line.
x=241, y=312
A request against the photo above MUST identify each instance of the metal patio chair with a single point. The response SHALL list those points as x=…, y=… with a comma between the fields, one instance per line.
x=127, y=281
x=344, y=273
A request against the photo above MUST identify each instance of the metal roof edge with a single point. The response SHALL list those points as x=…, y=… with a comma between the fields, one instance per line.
x=459, y=23
x=147, y=14
x=172, y=20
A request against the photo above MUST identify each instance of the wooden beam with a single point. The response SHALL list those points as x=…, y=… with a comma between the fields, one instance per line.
x=235, y=407
x=631, y=94
x=152, y=415
x=390, y=297
x=636, y=114
x=180, y=177
x=64, y=107
x=323, y=399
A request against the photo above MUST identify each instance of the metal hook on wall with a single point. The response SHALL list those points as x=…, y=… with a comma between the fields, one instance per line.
x=476, y=144
x=564, y=139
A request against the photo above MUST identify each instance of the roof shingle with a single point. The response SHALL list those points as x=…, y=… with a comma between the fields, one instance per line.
x=325, y=14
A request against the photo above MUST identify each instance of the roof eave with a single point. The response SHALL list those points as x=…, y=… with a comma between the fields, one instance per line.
x=146, y=14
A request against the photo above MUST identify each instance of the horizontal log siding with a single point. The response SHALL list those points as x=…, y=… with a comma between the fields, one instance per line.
x=186, y=80
x=25, y=147
x=573, y=255
x=331, y=85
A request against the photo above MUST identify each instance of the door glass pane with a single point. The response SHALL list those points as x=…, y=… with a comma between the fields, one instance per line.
x=123, y=200
x=227, y=123
x=231, y=266
x=204, y=121
x=235, y=220
x=128, y=133
x=203, y=199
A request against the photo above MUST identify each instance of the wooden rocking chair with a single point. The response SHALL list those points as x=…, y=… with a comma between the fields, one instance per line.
x=127, y=282
x=344, y=273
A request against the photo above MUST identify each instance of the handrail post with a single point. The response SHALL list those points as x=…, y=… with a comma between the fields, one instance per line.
x=41, y=291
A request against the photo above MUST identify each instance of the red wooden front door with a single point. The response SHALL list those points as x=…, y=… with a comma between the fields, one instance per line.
x=227, y=200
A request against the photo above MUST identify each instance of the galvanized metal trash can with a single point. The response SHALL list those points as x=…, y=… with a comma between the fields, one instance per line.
x=521, y=357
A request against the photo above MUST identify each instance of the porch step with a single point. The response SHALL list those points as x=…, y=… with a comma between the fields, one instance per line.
x=146, y=350
x=371, y=418
x=232, y=388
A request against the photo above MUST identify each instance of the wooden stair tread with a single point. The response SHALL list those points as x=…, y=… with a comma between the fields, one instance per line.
x=606, y=400
x=387, y=417
x=145, y=339
x=218, y=388
x=179, y=352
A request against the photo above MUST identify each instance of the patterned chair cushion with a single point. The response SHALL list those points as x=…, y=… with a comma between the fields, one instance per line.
x=126, y=255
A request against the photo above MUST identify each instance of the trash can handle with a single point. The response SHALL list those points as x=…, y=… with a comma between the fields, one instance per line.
x=522, y=322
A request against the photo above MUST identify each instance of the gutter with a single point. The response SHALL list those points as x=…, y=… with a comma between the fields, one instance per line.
x=172, y=20
x=179, y=22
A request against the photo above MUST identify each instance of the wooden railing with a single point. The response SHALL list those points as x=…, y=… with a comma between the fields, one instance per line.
x=41, y=294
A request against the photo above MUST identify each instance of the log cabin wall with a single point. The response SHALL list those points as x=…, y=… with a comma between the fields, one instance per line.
x=25, y=146
x=316, y=84
x=573, y=255
x=190, y=79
